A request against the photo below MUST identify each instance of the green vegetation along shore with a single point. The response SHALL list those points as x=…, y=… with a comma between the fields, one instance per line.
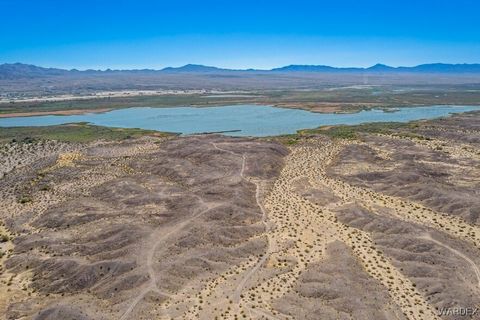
x=73, y=132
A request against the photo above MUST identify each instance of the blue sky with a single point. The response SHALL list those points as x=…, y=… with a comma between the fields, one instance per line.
x=237, y=34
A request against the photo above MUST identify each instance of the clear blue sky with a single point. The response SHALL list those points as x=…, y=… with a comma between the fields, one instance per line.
x=238, y=34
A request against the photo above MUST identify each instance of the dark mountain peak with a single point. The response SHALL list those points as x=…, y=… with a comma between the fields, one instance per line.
x=192, y=68
x=21, y=70
x=380, y=67
x=304, y=68
x=448, y=68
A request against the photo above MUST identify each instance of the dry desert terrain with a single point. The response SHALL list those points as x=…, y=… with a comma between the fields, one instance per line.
x=383, y=226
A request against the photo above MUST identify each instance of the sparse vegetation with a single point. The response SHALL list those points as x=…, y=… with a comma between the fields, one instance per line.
x=75, y=132
x=353, y=131
x=338, y=97
x=340, y=216
x=24, y=199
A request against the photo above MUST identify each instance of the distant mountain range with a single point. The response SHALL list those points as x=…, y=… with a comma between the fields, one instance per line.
x=382, y=68
x=20, y=70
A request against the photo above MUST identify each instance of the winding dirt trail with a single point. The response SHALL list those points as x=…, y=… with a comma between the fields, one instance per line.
x=242, y=283
x=456, y=252
x=159, y=238
x=304, y=229
x=298, y=231
x=301, y=234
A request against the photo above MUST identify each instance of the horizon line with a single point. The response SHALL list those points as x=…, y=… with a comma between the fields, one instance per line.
x=234, y=69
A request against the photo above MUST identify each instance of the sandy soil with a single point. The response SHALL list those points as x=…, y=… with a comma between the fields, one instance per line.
x=61, y=112
x=104, y=94
x=128, y=93
x=209, y=227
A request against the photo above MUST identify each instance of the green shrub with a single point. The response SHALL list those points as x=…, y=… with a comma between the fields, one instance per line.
x=24, y=199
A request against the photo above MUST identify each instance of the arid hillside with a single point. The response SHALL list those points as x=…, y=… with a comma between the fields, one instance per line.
x=360, y=223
